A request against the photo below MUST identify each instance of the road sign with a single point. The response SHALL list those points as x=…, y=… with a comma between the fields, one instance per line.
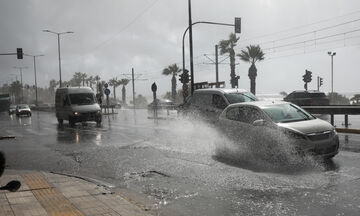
x=107, y=91
x=106, y=85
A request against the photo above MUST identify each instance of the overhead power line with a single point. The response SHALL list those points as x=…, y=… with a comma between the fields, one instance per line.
x=298, y=27
x=311, y=32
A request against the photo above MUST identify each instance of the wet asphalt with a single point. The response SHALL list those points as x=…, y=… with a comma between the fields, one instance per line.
x=174, y=165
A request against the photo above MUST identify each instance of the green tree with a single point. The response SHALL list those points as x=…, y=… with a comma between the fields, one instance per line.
x=252, y=54
x=15, y=89
x=172, y=70
x=77, y=78
x=83, y=78
x=356, y=99
x=52, y=86
x=338, y=99
x=114, y=83
x=141, y=101
x=124, y=82
x=227, y=47
x=97, y=80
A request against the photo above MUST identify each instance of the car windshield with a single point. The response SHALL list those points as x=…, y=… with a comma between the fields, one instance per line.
x=23, y=106
x=282, y=113
x=82, y=98
x=240, y=97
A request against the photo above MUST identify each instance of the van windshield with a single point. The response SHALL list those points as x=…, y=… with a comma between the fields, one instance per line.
x=240, y=97
x=82, y=98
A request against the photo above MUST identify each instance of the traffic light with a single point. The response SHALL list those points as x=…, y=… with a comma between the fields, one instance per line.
x=320, y=81
x=307, y=77
x=237, y=25
x=19, y=53
x=184, y=77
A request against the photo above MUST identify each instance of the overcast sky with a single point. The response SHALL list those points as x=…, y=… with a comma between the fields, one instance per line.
x=112, y=36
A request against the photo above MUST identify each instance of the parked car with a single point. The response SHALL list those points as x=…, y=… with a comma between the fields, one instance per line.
x=12, y=109
x=76, y=104
x=267, y=124
x=307, y=98
x=23, y=109
x=209, y=103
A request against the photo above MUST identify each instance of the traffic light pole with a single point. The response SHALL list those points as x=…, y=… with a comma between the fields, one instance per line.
x=183, y=44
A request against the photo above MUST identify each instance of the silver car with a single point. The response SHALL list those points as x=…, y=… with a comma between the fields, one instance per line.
x=266, y=123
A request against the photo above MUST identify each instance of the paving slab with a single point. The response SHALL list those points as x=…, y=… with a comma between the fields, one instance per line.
x=43, y=194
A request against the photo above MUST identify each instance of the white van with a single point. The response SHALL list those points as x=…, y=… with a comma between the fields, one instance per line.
x=76, y=104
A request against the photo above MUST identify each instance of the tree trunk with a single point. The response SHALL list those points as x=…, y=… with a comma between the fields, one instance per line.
x=173, y=88
x=232, y=69
x=123, y=91
x=252, y=75
x=114, y=94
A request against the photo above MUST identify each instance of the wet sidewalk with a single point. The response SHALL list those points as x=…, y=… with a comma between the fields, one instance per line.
x=43, y=194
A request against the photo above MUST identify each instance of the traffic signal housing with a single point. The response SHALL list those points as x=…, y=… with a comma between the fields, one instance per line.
x=19, y=53
x=320, y=81
x=184, y=77
x=307, y=77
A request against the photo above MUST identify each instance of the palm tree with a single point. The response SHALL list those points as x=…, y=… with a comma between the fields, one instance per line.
x=227, y=46
x=77, y=78
x=124, y=82
x=252, y=54
x=172, y=70
x=114, y=83
x=97, y=79
x=83, y=77
x=52, y=86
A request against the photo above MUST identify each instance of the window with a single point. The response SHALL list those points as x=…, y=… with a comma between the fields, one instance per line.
x=82, y=98
x=287, y=113
x=218, y=101
x=244, y=114
x=240, y=97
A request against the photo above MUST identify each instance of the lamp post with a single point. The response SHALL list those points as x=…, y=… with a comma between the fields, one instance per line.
x=36, y=93
x=331, y=54
x=58, y=36
x=21, y=81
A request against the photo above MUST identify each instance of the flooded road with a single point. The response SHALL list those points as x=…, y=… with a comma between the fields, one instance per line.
x=173, y=166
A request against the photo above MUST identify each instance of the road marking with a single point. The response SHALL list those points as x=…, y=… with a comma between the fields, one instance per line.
x=49, y=197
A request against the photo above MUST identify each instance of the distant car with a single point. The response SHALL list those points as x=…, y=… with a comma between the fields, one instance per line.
x=23, y=109
x=267, y=124
x=12, y=109
x=209, y=103
x=307, y=98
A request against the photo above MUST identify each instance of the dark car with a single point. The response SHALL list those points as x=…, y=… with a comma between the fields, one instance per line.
x=12, y=109
x=307, y=98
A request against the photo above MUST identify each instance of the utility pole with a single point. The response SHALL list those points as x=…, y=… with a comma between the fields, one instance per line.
x=36, y=91
x=191, y=50
x=217, y=65
x=133, y=78
x=331, y=54
x=133, y=85
x=21, y=82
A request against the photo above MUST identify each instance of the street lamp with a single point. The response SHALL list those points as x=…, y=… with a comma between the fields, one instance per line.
x=332, y=70
x=21, y=81
x=58, y=36
x=36, y=93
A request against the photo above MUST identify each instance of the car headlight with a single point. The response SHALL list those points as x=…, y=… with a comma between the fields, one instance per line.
x=295, y=135
x=76, y=113
x=98, y=112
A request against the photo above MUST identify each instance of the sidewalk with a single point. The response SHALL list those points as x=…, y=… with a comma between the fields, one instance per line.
x=44, y=194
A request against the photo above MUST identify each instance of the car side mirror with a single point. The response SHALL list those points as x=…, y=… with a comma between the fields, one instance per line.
x=259, y=122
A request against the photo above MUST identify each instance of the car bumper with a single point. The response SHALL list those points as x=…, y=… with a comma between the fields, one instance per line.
x=325, y=148
x=86, y=117
x=24, y=113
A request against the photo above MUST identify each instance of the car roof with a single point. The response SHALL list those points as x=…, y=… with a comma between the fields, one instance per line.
x=221, y=90
x=259, y=104
x=309, y=91
x=75, y=90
